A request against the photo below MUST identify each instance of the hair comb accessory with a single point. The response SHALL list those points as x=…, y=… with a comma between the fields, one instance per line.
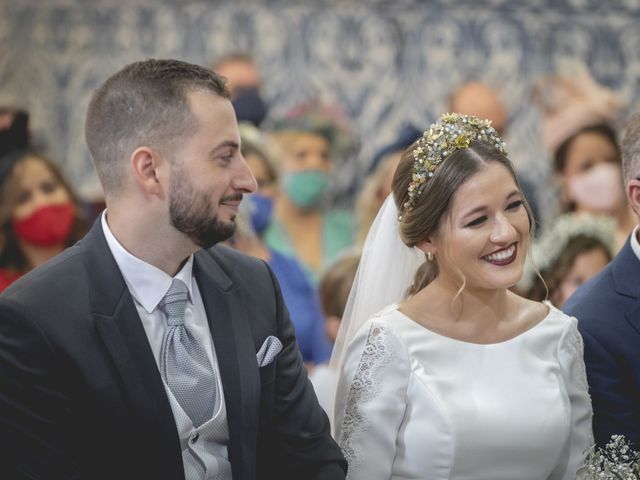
x=451, y=133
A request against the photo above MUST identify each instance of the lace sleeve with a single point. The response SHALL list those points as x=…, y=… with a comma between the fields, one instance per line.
x=571, y=358
x=370, y=401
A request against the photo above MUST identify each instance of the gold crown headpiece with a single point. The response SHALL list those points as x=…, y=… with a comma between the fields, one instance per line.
x=451, y=133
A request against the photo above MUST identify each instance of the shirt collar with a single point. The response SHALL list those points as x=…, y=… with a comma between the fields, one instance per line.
x=147, y=283
x=635, y=244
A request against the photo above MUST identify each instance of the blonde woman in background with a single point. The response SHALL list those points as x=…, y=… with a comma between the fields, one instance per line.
x=377, y=185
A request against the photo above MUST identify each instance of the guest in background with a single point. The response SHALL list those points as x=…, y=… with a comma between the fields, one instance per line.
x=570, y=252
x=477, y=98
x=304, y=224
x=480, y=100
x=608, y=312
x=334, y=287
x=578, y=131
x=299, y=294
x=245, y=86
x=377, y=185
x=39, y=214
x=14, y=130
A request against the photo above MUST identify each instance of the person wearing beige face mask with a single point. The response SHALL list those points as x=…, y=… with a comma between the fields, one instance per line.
x=578, y=132
x=587, y=164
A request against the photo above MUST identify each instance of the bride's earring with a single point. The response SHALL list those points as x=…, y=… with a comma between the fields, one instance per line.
x=430, y=256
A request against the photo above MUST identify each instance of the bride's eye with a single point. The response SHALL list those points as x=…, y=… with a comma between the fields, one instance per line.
x=476, y=221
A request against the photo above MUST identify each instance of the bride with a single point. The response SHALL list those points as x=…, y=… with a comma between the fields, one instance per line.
x=457, y=377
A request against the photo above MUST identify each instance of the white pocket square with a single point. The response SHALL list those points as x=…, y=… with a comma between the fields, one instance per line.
x=268, y=351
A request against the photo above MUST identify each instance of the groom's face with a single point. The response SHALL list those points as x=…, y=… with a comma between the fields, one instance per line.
x=209, y=176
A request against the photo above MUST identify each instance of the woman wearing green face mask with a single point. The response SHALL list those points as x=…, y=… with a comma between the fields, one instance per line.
x=302, y=226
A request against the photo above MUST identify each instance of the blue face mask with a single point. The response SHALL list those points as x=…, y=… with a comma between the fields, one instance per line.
x=306, y=188
x=262, y=207
x=249, y=106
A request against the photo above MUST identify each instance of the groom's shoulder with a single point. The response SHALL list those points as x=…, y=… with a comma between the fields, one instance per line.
x=595, y=300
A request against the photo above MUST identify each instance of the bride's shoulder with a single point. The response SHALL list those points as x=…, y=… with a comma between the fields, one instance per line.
x=382, y=318
x=381, y=324
x=386, y=313
x=533, y=313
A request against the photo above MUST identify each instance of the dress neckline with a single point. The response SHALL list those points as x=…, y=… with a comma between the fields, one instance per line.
x=552, y=311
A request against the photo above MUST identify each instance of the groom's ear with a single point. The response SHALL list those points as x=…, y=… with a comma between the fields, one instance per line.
x=633, y=194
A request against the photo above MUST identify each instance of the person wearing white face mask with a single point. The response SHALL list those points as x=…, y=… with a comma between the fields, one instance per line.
x=578, y=132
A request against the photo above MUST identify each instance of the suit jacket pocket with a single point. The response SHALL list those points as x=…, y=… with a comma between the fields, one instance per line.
x=267, y=374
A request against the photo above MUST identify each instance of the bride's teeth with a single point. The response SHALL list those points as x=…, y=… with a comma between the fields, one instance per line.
x=502, y=255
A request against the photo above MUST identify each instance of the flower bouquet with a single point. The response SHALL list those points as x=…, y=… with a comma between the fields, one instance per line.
x=617, y=461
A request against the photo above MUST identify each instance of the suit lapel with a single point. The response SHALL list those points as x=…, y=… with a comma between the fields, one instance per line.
x=626, y=277
x=118, y=324
x=235, y=352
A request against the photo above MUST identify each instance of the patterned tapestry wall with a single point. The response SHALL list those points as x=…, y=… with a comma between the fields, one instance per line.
x=384, y=62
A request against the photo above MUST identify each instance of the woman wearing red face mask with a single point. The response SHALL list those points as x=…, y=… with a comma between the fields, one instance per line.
x=39, y=215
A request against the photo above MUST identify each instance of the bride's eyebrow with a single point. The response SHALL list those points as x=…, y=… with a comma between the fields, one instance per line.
x=482, y=208
x=514, y=193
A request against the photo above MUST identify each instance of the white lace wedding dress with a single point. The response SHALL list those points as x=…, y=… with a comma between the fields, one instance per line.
x=413, y=404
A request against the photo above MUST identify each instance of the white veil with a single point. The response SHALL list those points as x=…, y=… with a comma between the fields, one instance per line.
x=385, y=273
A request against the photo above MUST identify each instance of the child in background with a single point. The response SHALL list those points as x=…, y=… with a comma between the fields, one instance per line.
x=574, y=249
x=334, y=287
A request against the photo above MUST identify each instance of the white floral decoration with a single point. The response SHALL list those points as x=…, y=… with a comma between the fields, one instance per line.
x=552, y=243
x=617, y=461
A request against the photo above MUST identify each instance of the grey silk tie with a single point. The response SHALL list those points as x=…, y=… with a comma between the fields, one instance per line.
x=183, y=361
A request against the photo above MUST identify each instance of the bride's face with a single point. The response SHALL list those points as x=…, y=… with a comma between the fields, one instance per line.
x=486, y=234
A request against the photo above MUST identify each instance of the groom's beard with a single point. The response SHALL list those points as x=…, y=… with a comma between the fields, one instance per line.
x=192, y=213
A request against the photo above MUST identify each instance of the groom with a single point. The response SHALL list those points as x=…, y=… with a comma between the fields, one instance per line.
x=141, y=352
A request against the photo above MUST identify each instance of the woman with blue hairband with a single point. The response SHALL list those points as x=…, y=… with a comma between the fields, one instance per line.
x=444, y=372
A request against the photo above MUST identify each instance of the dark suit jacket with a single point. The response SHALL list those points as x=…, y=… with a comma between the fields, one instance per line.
x=81, y=395
x=608, y=312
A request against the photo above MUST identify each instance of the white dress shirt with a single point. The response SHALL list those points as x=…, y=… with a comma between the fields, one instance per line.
x=207, y=458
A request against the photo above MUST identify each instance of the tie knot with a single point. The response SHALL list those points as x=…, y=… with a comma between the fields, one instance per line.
x=174, y=302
